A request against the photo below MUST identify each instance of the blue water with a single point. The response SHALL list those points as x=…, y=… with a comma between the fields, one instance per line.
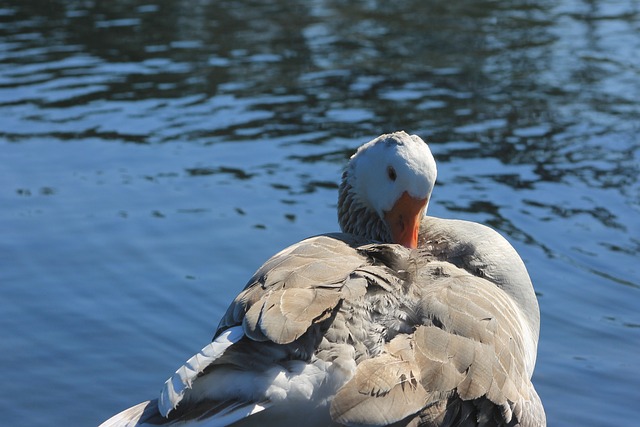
x=154, y=154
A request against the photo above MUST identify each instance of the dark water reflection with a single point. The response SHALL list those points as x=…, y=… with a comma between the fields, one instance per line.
x=155, y=153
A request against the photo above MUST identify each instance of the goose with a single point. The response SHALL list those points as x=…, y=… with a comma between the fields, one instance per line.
x=401, y=319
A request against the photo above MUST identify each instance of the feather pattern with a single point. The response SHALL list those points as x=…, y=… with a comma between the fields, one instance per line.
x=175, y=387
x=355, y=218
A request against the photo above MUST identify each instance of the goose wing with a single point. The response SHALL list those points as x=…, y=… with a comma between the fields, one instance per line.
x=464, y=363
x=272, y=329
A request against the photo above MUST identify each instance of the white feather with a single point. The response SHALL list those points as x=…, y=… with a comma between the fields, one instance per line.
x=175, y=387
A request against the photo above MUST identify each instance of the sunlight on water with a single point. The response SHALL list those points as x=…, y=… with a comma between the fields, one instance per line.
x=154, y=155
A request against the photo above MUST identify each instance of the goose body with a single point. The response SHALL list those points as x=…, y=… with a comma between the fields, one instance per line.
x=343, y=329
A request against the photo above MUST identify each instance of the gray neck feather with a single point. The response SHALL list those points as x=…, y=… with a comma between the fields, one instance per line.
x=356, y=218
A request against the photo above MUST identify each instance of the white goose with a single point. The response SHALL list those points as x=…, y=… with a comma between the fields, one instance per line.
x=350, y=329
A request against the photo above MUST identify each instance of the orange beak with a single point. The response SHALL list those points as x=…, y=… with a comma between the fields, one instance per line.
x=404, y=220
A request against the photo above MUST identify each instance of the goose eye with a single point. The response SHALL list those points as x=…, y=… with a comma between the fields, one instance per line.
x=391, y=172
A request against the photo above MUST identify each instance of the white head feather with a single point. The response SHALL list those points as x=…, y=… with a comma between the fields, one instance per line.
x=367, y=181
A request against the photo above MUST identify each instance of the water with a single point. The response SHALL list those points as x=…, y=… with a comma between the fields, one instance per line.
x=154, y=154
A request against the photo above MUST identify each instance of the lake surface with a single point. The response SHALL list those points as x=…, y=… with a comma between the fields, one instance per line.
x=154, y=154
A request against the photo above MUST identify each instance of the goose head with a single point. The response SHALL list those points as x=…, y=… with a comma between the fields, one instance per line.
x=386, y=188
